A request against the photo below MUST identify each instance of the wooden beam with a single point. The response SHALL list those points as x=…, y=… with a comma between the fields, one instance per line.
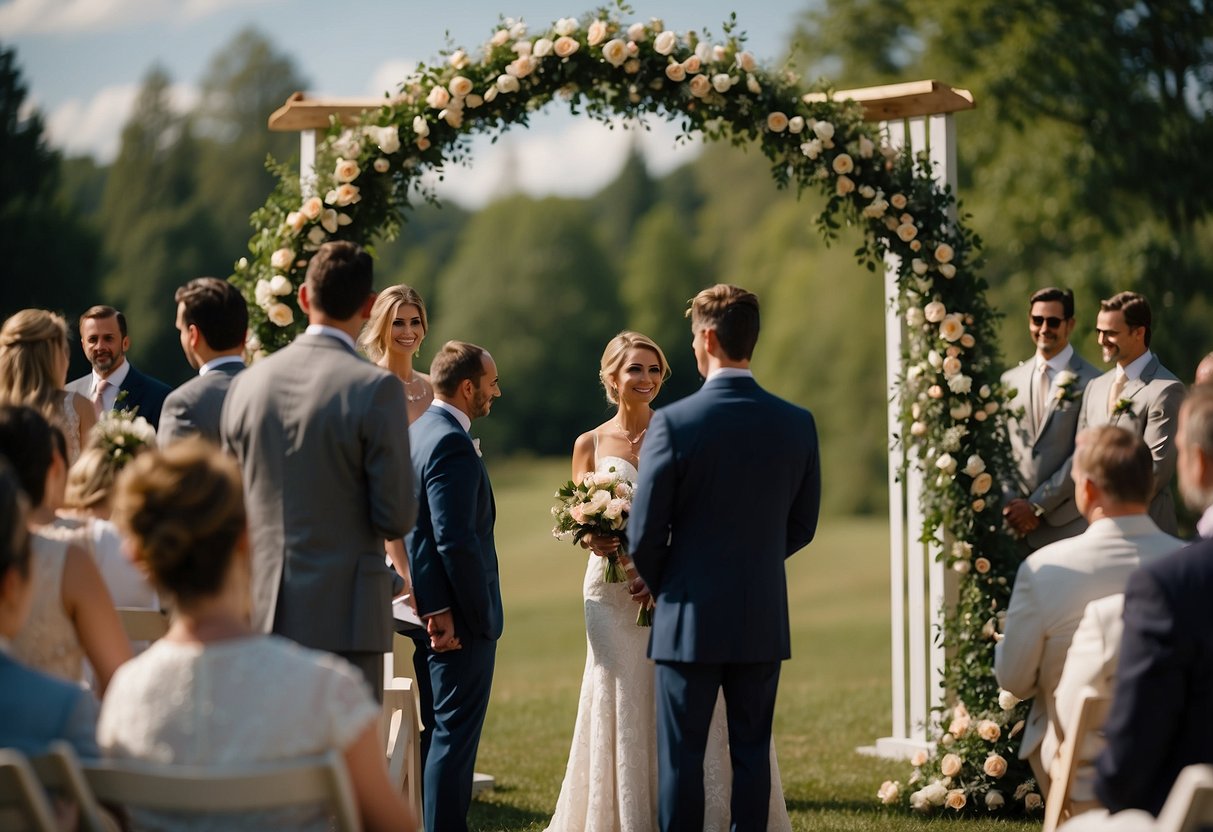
x=885, y=103
x=895, y=101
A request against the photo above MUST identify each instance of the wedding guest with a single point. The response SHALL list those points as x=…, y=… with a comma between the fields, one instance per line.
x=1112, y=487
x=317, y=431
x=1048, y=393
x=37, y=708
x=33, y=371
x=1204, y=370
x=213, y=691
x=72, y=615
x=212, y=318
x=114, y=383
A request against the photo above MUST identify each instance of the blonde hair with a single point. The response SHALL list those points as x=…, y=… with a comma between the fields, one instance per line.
x=90, y=481
x=31, y=342
x=183, y=510
x=616, y=351
x=378, y=329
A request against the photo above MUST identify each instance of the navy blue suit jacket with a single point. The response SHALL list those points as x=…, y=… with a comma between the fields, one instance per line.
x=39, y=709
x=138, y=390
x=730, y=486
x=1160, y=719
x=452, y=554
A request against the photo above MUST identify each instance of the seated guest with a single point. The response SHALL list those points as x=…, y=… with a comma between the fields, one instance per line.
x=72, y=615
x=37, y=708
x=212, y=692
x=1160, y=706
x=1113, y=480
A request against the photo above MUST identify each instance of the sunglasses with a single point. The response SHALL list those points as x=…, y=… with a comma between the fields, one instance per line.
x=1041, y=320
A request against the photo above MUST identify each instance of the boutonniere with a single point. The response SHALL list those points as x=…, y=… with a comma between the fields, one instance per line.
x=1123, y=406
x=121, y=398
x=476, y=445
x=1065, y=386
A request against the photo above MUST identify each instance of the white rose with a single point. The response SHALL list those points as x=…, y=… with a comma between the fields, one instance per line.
x=517, y=30
x=918, y=802
x=458, y=59
x=615, y=508
x=961, y=411
x=844, y=185
x=282, y=259
x=664, y=43
x=1065, y=378
x=615, y=52
x=280, y=314
x=866, y=147
x=703, y=51
x=1007, y=700
x=914, y=316
x=460, y=86
x=420, y=126
x=722, y=82
x=637, y=32
x=777, y=122
x=947, y=270
x=975, y=465
x=947, y=464
x=960, y=384
x=843, y=163
x=315, y=236
x=918, y=266
x=746, y=61
x=675, y=72
x=700, y=86
x=812, y=148
x=328, y=220
x=438, y=98
x=543, y=47
x=918, y=429
x=521, y=67
x=263, y=294
x=888, y=792
x=935, y=359
x=944, y=253
x=962, y=567
x=523, y=48
x=824, y=130
x=388, y=139
x=596, y=33
x=718, y=52
x=507, y=83
x=935, y=793
x=280, y=285
x=935, y=311
x=951, y=328
x=565, y=26
x=796, y=124
x=491, y=94
x=381, y=165
x=500, y=37
x=994, y=800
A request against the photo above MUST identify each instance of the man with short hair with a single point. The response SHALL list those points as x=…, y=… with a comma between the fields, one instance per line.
x=1043, y=422
x=730, y=487
x=318, y=433
x=114, y=383
x=1112, y=486
x=212, y=318
x=453, y=561
x=1204, y=370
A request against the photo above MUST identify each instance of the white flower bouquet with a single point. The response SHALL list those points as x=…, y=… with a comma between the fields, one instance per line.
x=598, y=504
x=122, y=434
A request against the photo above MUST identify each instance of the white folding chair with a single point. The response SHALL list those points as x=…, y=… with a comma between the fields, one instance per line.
x=23, y=802
x=1189, y=805
x=60, y=773
x=1076, y=755
x=213, y=789
x=402, y=724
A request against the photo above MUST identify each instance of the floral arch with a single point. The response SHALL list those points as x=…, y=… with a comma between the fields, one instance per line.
x=951, y=426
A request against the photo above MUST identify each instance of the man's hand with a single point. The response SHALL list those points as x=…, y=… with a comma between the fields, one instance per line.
x=441, y=629
x=1021, y=516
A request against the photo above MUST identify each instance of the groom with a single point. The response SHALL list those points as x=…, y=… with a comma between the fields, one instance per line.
x=453, y=561
x=729, y=487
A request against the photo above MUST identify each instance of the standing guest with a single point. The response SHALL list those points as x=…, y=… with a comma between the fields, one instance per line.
x=212, y=691
x=317, y=432
x=1204, y=370
x=453, y=559
x=1112, y=487
x=33, y=370
x=72, y=615
x=729, y=488
x=1044, y=418
x=37, y=708
x=114, y=383
x=212, y=318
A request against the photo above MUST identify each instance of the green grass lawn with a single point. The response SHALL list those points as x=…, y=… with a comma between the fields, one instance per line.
x=834, y=694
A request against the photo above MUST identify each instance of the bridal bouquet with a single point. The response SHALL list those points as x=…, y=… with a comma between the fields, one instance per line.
x=598, y=504
x=121, y=435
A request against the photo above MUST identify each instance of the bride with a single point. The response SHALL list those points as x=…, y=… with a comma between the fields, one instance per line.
x=610, y=784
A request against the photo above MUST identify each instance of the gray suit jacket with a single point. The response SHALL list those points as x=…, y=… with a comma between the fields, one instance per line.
x=322, y=438
x=1042, y=449
x=194, y=407
x=1153, y=412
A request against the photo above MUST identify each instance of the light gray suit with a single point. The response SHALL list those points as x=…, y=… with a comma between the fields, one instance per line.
x=1153, y=413
x=322, y=437
x=194, y=408
x=1052, y=590
x=1041, y=450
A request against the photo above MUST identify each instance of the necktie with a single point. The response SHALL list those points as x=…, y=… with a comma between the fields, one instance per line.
x=1041, y=395
x=98, y=394
x=1118, y=386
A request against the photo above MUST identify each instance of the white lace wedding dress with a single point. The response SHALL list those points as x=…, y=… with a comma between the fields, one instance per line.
x=610, y=784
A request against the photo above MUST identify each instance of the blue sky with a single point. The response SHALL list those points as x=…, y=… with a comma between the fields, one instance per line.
x=83, y=61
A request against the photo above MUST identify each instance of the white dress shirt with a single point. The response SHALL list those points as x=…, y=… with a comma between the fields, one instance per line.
x=115, y=379
x=215, y=362
x=332, y=332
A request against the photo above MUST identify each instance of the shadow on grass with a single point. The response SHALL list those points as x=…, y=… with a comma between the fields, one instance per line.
x=493, y=811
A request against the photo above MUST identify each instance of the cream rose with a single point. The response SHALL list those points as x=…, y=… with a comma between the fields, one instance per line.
x=473, y=101
x=1033, y=801
x=692, y=64
x=280, y=314
x=961, y=411
x=919, y=758
x=381, y=165
x=956, y=799
x=346, y=170
x=700, y=86
x=565, y=26
x=452, y=116
x=543, y=48
x=824, y=130
x=844, y=185
x=950, y=765
x=898, y=201
x=499, y=37
x=967, y=341
x=721, y=82
x=438, y=98
x=988, y=729
x=263, y=294
x=919, y=266
x=982, y=565
x=960, y=384
x=995, y=766
x=459, y=59
x=796, y=124
x=994, y=800
x=951, y=328
x=960, y=718
x=664, y=43
x=907, y=231
x=295, y=222
x=948, y=270
x=637, y=32
x=918, y=429
x=812, y=148
x=421, y=127
x=914, y=316
x=460, y=86
x=388, y=139
x=944, y=253
x=951, y=366
x=888, y=792
x=947, y=464
x=981, y=484
x=777, y=122
x=615, y=52
x=280, y=285
x=597, y=33
x=282, y=259
x=311, y=208
x=675, y=72
x=507, y=83
x=343, y=195
x=935, y=311
x=328, y=220
x=866, y=147
x=521, y=67
x=746, y=61
x=935, y=391
x=935, y=793
x=974, y=465
x=566, y=46
x=843, y=163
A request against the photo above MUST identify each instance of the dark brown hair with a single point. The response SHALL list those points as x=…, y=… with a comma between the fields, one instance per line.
x=339, y=279
x=456, y=362
x=217, y=308
x=733, y=313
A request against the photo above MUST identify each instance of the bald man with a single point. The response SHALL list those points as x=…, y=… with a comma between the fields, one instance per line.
x=1204, y=370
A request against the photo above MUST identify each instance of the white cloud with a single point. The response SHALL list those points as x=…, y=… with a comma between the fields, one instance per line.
x=388, y=75
x=93, y=127
x=564, y=157
x=18, y=17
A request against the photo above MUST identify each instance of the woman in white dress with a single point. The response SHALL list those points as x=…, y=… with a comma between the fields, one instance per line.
x=34, y=360
x=610, y=783
x=212, y=692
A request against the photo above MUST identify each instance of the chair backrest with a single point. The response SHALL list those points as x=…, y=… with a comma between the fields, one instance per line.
x=402, y=724
x=23, y=802
x=248, y=788
x=60, y=773
x=143, y=624
x=1076, y=753
x=1189, y=805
